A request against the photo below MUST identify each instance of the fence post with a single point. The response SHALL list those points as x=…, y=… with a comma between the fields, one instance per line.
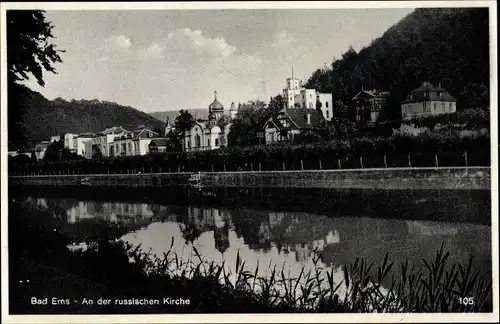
x=385, y=161
x=466, y=161
x=179, y=168
x=320, y=166
x=436, y=159
x=409, y=160
x=159, y=169
x=260, y=167
x=301, y=165
x=251, y=166
x=283, y=163
x=224, y=167
x=340, y=165
x=212, y=167
x=361, y=161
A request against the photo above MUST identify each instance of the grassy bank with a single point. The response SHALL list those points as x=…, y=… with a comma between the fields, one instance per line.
x=115, y=270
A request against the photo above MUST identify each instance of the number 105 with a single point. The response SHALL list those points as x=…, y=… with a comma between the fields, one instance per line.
x=466, y=300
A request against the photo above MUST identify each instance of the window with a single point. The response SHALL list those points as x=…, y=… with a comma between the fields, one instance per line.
x=327, y=114
x=443, y=108
x=216, y=142
x=208, y=142
x=326, y=104
x=450, y=107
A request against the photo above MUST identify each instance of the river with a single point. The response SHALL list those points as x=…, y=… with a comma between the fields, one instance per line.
x=284, y=227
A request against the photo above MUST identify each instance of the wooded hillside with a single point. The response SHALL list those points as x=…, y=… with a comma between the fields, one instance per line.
x=447, y=46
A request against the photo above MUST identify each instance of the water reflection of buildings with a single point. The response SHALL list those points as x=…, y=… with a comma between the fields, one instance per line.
x=210, y=219
x=113, y=212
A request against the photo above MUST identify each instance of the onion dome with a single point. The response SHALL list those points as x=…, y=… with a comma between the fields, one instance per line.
x=216, y=105
x=233, y=107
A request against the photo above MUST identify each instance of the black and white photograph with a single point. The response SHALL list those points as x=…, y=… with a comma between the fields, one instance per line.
x=249, y=162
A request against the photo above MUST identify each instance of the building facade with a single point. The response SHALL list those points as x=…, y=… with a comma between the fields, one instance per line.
x=206, y=135
x=297, y=96
x=291, y=122
x=79, y=143
x=132, y=143
x=368, y=104
x=427, y=100
x=99, y=145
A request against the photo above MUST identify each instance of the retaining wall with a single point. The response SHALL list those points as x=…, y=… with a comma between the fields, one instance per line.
x=393, y=178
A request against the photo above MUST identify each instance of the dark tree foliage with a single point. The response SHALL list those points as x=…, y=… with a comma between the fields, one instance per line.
x=446, y=46
x=248, y=124
x=183, y=122
x=29, y=50
x=276, y=104
x=29, y=53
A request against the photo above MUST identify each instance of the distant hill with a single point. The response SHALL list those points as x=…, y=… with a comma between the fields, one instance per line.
x=447, y=46
x=172, y=114
x=34, y=118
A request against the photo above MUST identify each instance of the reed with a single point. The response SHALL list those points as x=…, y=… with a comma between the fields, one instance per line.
x=434, y=286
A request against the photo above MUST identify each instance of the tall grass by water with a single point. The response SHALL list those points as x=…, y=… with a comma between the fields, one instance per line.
x=435, y=286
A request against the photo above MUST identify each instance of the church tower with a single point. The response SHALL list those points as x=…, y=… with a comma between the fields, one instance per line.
x=216, y=107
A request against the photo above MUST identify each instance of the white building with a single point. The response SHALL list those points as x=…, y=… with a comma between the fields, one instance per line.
x=55, y=138
x=100, y=143
x=79, y=143
x=69, y=142
x=205, y=136
x=133, y=143
x=40, y=149
x=296, y=96
x=427, y=100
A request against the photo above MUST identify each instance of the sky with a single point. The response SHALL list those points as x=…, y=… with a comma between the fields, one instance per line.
x=159, y=60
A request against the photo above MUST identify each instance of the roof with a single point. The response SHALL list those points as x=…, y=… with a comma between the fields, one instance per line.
x=299, y=117
x=139, y=132
x=216, y=105
x=372, y=93
x=428, y=92
x=233, y=107
x=114, y=130
x=159, y=142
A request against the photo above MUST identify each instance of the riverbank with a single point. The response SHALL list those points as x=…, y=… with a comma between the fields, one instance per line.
x=380, y=178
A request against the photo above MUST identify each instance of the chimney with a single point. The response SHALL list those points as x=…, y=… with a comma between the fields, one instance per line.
x=308, y=118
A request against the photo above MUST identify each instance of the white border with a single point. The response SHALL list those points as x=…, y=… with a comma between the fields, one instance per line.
x=245, y=318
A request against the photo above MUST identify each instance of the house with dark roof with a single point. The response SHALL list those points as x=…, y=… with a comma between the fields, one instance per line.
x=368, y=104
x=427, y=100
x=158, y=145
x=291, y=122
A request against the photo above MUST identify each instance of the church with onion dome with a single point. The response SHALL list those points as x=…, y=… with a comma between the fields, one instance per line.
x=207, y=135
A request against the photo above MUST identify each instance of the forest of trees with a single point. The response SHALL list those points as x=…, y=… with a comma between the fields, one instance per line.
x=447, y=46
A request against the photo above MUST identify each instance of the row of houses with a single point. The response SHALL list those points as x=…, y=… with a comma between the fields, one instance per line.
x=114, y=141
x=301, y=115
